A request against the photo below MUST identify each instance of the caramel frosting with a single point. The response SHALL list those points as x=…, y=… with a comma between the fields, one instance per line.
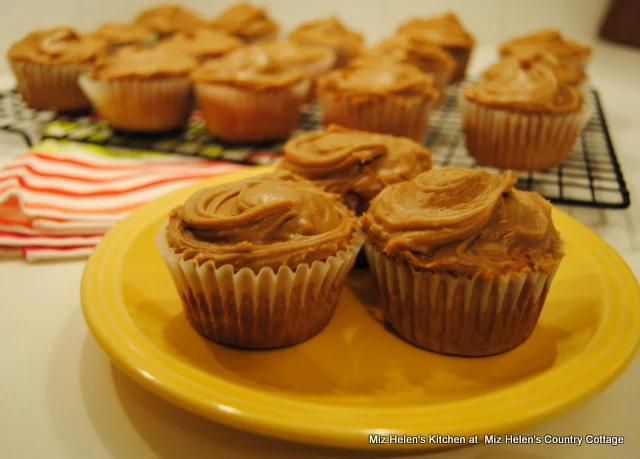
x=329, y=32
x=548, y=40
x=268, y=221
x=527, y=88
x=362, y=83
x=170, y=18
x=140, y=62
x=464, y=221
x=427, y=56
x=446, y=31
x=249, y=67
x=565, y=73
x=202, y=43
x=346, y=161
x=247, y=22
x=296, y=54
x=60, y=45
x=118, y=33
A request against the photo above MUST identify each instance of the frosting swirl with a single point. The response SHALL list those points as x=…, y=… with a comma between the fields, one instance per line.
x=548, y=40
x=120, y=33
x=247, y=22
x=330, y=33
x=169, y=18
x=202, y=43
x=529, y=88
x=565, y=73
x=464, y=221
x=346, y=161
x=272, y=220
x=60, y=45
x=445, y=30
x=311, y=60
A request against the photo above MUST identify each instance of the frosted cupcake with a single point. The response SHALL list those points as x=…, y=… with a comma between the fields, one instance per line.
x=260, y=263
x=47, y=64
x=357, y=165
x=247, y=22
x=447, y=32
x=463, y=261
x=523, y=119
x=118, y=34
x=379, y=97
x=142, y=90
x=167, y=19
x=551, y=41
x=202, y=44
x=330, y=33
x=250, y=96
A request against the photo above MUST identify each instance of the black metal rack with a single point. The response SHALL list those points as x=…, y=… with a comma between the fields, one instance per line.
x=591, y=176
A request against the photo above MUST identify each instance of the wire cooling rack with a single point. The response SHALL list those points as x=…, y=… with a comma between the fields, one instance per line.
x=591, y=176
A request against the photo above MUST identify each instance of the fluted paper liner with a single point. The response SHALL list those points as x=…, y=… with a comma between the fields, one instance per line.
x=458, y=315
x=520, y=141
x=153, y=105
x=258, y=311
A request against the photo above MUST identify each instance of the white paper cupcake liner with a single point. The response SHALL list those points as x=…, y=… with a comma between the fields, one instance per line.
x=243, y=115
x=458, y=315
x=153, y=105
x=259, y=311
x=51, y=87
x=520, y=141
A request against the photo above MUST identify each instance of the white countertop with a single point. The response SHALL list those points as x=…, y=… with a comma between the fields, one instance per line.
x=62, y=398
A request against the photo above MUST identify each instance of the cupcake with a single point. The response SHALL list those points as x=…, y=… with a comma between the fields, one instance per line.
x=140, y=89
x=357, y=165
x=565, y=73
x=47, y=64
x=379, y=97
x=332, y=34
x=118, y=34
x=551, y=41
x=202, y=44
x=250, y=96
x=447, y=32
x=167, y=19
x=260, y=263
x=463, y=261
x=247, y=22
x=523, y=119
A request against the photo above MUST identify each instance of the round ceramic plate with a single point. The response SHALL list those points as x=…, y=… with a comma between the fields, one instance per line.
x=356, y=378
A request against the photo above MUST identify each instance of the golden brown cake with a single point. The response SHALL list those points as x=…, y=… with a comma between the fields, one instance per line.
x=141, y=89
x=273, y=252
x=330, y=33
x=47, y=64
x=203, y=44
x=247, y=22
x=357, y=165
x=382, y=97
x=447, y=32
x=463, y=261
x=120, y=33
x=250, y=95
x=523, y=119
x=170, y=18
x=551, y=41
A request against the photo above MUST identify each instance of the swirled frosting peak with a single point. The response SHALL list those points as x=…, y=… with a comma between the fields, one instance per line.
x=445, y=30
x=564, y=72
x=247, y=22
x=464, y=221
x=170, y=18
x=270, y=220
x=548, y=40
x=60, y=45
x=425, y=55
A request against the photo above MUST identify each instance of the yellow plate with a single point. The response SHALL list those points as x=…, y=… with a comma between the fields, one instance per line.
x=356, y=378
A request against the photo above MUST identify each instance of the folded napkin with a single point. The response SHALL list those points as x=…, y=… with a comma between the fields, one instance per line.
x=58, y=200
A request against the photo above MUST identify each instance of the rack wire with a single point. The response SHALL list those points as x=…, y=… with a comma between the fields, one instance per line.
x=591, y=176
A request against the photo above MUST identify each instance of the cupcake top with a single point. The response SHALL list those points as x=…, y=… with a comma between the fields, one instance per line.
x=527, y=88
x=249, y=67
x=169, y=18
x=329, y=32
x=565, y=73
x=362, y=83
x=60, y=45
x=119, y=33
x=296, y=54
x=140, y=62
x=247, y=22
x=445, y=30
x=202, y=43
x=464, y=221
x=425, y=55
x=268, y=221
x=548, y=40
x=347, y=161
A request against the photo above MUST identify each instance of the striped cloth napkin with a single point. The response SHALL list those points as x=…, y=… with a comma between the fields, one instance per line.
x=58, y=200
